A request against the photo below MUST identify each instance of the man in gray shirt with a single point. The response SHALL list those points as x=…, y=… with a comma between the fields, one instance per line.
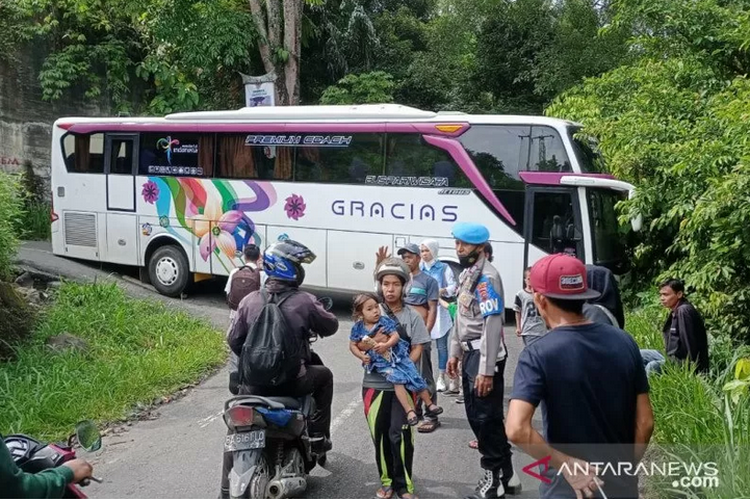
x=423, y=291
x=529, y=324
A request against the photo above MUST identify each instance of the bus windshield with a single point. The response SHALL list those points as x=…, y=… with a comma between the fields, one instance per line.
x=586, y=149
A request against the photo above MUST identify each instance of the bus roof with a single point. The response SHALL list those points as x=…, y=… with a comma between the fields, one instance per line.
x=365, y=113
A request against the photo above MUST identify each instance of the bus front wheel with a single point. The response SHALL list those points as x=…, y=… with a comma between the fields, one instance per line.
x=169, y=271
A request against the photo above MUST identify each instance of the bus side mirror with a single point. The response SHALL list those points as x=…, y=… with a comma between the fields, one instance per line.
x=636, y=222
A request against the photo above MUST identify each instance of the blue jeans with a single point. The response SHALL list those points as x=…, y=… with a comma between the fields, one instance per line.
x=442, y=347
x=652, y=360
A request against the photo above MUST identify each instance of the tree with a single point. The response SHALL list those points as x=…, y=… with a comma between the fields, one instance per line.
x=186, y=52
x=508, y=47
x=367, y=88
x=579, y=48
x=674, y=123
x=94, y=43
x=279, y=25
x=194, y=52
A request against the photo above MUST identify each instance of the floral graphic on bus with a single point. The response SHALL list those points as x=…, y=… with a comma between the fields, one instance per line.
x=150, y=192
x=221, y=234
x=212, y=211
x=295, y=207
x=166, y=143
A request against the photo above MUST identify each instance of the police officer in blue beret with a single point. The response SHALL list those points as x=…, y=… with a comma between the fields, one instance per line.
x=478, y=342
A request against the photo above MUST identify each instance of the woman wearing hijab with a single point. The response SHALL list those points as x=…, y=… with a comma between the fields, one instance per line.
x=443, y=274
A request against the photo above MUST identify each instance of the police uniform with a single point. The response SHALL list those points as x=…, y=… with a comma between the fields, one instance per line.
x=479, y=343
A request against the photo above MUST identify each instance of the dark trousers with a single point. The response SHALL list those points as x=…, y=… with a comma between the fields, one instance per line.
x=318, y=381
x=393, y=439
x=485, y=416
x=425, y=369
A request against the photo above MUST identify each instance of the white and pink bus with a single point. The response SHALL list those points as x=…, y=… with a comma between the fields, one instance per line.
x=180, y=196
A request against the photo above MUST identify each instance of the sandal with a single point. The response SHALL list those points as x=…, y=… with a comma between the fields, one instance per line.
x=414, y=420
x=384, y=492
x=407, y=495
x=433, y=411
x=426, y=426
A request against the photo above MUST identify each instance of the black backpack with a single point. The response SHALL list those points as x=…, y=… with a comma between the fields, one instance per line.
x=271, y=354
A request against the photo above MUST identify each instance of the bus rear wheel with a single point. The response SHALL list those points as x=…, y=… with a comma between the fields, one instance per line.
x=169, y=271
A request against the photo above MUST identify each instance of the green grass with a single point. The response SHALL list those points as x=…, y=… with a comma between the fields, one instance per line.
x=35, y=221
x=694, y=420
x=645, y=325
x=138, y=351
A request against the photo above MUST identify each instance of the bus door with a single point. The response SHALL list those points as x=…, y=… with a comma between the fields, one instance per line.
x=552, y=223
x=120, y=167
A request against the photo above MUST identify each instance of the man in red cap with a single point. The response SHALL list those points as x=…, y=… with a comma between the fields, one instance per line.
x=591, y=379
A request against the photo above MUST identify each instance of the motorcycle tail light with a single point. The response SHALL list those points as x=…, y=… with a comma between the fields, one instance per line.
x=239, y=416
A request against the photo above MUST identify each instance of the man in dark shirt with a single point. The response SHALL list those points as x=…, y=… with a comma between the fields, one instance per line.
x=684, y=333
x=590, y=380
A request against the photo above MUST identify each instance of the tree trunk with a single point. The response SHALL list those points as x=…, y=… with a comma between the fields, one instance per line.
x=260, y=24
x=275, y=34
x=292, y=43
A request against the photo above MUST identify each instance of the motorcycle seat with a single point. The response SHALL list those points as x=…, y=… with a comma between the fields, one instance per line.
x=275, y=402
x=289, y=403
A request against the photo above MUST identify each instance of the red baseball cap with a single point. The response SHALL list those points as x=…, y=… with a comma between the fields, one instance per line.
x=561, y=276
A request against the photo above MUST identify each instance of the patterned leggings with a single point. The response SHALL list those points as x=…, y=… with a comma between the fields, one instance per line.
x=393, y=439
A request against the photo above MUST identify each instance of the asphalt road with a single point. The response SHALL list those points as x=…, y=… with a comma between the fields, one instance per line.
x=178, y=454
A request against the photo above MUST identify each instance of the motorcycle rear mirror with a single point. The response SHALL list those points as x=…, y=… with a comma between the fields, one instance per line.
x=88, y=436
x=327, y=303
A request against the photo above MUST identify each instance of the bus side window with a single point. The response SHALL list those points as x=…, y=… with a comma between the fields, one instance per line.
x=408, y=155
x=84, y=153
x=554, y=225
x=122, y=157
x=176, y=153
x=344, y=164
x=236, y=160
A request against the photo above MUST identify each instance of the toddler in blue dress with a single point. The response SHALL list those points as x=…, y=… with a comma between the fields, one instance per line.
x=390, y=358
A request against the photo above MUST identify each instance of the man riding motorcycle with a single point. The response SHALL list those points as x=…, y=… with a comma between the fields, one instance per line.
x=304, y=313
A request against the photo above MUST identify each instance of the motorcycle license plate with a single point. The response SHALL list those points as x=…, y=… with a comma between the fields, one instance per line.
x=245, y=441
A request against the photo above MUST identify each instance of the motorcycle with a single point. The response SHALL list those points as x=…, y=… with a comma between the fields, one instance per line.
x=270, y=442
x=33, y=456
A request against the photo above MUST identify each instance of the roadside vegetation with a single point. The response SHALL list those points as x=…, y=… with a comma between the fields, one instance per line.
x=127, y=352
x=88, y=351
x=34, y=220
x=699, y=418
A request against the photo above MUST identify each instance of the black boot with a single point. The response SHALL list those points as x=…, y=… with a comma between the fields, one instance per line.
x=490, y=486
x=320, y=444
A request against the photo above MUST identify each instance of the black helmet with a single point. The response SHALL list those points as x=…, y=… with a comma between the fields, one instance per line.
x=283, y=260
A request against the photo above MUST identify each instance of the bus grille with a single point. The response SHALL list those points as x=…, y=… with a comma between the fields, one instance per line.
x=80, y=230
